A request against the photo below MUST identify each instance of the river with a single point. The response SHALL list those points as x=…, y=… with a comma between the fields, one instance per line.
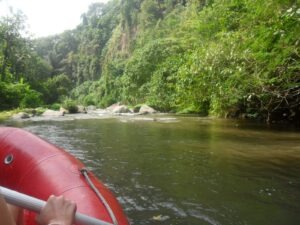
x=188, y=170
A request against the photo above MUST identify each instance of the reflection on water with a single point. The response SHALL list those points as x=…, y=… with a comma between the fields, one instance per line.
x=188, y=171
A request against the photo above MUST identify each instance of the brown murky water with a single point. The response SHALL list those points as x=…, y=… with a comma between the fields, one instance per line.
x=188, y=170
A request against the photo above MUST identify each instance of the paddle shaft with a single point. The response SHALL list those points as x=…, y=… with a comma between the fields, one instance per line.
x=34, y=204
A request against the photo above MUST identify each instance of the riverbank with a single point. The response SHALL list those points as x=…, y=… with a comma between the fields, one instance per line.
x=5, y=115
x=122, y=112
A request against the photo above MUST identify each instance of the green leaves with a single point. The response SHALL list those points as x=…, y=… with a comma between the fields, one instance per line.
x=14, y=95
x=142, y=66
x=56, y=88
x=223, y=57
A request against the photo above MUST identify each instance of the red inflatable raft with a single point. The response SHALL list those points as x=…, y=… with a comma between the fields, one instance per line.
x=37, y=168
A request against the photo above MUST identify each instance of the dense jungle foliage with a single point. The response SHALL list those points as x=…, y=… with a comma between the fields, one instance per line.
x=233, y=58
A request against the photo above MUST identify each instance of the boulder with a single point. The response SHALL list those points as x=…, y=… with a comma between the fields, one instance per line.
x=91, y=108
x=121, y=109
x=32, y=112
x=63, y=110
x=136, y=108
x=81, y=109
x=21, y=115
x=112, y=107
x=50, y=112
x=145, y=109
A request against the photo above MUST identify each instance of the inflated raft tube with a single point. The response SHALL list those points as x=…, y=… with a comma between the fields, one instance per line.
x=31, y=165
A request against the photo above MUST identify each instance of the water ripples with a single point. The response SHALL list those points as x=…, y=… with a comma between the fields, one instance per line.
x=190, y=171
x=63, y=139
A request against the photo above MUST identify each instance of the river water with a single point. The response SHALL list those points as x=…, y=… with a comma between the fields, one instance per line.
x=188, y=170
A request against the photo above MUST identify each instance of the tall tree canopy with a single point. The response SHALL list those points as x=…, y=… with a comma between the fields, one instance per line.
x=221, y=57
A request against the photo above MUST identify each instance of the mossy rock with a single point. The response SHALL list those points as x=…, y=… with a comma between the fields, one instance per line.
x=136, y=108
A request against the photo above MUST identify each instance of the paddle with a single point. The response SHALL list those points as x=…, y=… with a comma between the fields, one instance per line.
x=34, y=204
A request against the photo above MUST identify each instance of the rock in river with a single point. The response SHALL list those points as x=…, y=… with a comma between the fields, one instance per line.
x=50, y=112
x=121, y=109
x=145, y=109
x=21, y=115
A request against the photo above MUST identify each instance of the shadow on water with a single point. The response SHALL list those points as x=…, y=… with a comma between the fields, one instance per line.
x=188, y=171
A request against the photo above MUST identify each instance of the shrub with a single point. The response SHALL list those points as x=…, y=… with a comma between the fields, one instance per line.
x=107, y=101
x=55, y=106
x=31, y=99
x=70, y=105
x=89, y=100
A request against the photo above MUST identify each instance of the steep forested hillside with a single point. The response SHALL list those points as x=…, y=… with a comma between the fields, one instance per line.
x=237, y=58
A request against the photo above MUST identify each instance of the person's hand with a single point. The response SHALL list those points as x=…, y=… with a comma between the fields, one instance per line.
x=5, y=215
x=57, y=211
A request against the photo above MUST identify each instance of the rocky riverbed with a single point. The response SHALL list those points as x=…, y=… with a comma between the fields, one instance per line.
x=122, y=112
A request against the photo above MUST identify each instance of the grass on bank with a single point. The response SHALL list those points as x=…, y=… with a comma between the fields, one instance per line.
x=5, y=115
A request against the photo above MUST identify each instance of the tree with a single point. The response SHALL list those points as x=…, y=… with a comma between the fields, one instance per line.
x=13, y=48
x=57, y=88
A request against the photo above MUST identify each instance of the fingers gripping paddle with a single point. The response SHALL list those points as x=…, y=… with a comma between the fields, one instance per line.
x=34, y=204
